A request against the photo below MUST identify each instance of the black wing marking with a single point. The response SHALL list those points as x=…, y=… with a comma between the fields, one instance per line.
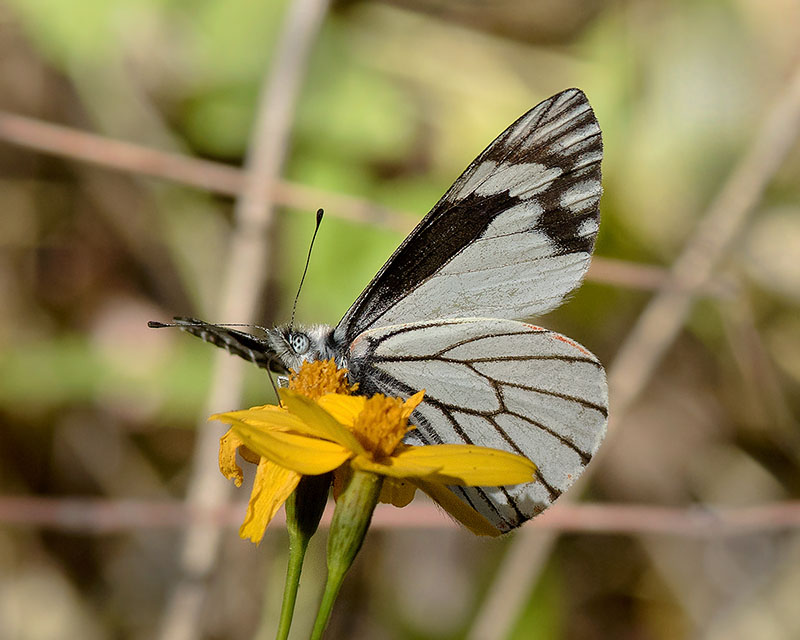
x=496, y=383
x=510, y=238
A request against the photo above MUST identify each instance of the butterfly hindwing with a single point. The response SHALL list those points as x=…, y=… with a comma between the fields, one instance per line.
x=496, y=383
x=509, y=239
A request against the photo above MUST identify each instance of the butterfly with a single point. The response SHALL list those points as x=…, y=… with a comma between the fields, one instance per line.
x=509, y=240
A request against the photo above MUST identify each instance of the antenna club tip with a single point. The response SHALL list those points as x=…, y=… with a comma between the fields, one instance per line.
x=153, y=324
x=320, y=213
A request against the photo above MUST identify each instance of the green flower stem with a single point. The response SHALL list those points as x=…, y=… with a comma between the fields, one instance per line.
x=297, y=552
x=303, y=512
x=351, y=520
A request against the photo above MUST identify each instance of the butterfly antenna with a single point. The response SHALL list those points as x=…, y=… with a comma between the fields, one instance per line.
x=320, y=213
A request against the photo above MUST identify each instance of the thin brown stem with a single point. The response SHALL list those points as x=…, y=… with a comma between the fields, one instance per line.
x=100, y=516
x=206, y=175
x=224, y=179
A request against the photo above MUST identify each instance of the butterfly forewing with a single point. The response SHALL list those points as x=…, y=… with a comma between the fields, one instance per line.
x=500, y=384
x=509, y=239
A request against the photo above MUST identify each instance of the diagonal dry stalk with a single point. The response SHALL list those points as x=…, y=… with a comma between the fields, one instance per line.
x=654, y=332
x=228, y=180
x=207, y=175
x=251, y=244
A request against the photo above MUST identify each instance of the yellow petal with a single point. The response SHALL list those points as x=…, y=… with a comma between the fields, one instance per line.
x=228, y=444
x=395, y=468
x=397, y=492
x=412, y=403
x=309, y=456
x=249, y=456
x=460, y=510
x=343, y=408
x=469, y=465
x=273, y=484
x=267, y=416
x=319, y=422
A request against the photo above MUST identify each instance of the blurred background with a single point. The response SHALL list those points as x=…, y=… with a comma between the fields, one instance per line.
x=165, y=157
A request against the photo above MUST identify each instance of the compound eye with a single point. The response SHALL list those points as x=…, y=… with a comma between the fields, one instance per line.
x=299, y=343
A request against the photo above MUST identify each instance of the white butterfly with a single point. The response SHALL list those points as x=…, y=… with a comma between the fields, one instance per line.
x=510, y=239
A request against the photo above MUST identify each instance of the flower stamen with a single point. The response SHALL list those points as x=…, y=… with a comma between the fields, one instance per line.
x=315, y=379
x=381, y=425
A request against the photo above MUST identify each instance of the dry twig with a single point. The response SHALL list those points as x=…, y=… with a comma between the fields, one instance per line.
x=207, y=175
x=103, y=516
x=217, y=177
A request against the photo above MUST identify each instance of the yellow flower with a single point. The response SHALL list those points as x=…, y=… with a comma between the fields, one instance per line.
x=321, y=428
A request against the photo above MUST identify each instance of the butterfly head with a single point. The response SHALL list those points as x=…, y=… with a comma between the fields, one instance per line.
x=294, y=345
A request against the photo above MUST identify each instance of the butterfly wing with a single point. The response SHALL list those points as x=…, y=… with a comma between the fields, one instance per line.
x=511, y=237
x=496, y=383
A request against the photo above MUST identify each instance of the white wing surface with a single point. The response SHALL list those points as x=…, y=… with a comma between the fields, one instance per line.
x=510, y=238
x=495, y=383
